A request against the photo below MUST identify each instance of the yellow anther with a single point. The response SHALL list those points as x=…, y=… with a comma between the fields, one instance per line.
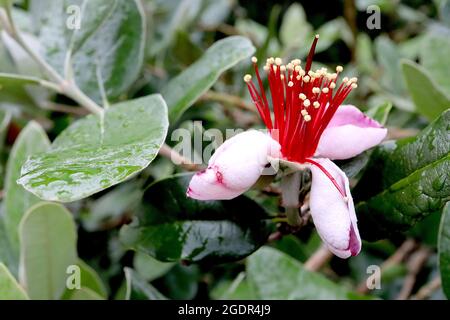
x=325, y=90
x=316, y=90
x=332, y=85
x=247, y=78
x=354, y=86
x=254, y=59
x=302, y=96
x=306, y=103
x=266, y=68
x=278, y=61
x=306, y=79
x=339, y=69
x=307, y=117
x=271, y=60
x=290, y=84
x=316, y=104
x=298, y=77
x=296, y=62
x=345, y=80
x=304, y=112
x=283, y=68
x=354, y=80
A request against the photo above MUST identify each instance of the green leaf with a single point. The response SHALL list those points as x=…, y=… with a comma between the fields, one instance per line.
x=139, y=289
x=108, y=47
x=428, y=98
x=388, y=57
x=405, y=181
x=9, y=288
x=31, y=140
x=149, y=268
x=275, y=275
x=5, y=3
x=89, y=280
x=182, y=91
x=435, y=59
x=380, y=113
x=295, y=29
x=5, y=118
x=85, y=294
x=173, y=227
x=111, y=208
x=96, y=153
x=7, y=255
x=48, y=246
x=444, y=249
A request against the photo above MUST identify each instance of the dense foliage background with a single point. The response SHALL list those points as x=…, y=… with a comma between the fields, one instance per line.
x=128, y=225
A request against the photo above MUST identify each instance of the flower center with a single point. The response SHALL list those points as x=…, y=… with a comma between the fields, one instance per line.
x=303, y=102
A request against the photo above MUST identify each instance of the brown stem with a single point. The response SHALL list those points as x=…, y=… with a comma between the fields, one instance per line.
x=415, y=264
x=402, y=252
x=319, y=258
x=229, y=99
x=427, y=290
x=167, y=152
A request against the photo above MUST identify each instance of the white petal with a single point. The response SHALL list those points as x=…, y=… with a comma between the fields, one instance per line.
x=334, y=216
x=235, y=167
x=349, y=133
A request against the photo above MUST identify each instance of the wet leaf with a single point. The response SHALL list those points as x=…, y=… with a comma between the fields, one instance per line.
x=94, y=153
x=107, y=46
x=444, y=249
x=406, y=180
x=173, y=227
x=183, y=90
x=149, y=268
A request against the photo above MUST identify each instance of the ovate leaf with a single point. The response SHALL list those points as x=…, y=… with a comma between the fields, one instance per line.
x=105, y=39
x=9, y=288
x=290, y=281
x=428, y=97
x=85, y=294
x=444, y=249
x=149, y=268
x=182, y=91
x=31, y=140
x=295, y=29
x=405, y=181
x=98, y=152
x=47, y=247
x=137, y=288
x=435, y=59
x=173, y=227
x=89, y=280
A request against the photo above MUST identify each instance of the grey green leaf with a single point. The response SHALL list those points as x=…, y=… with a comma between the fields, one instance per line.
x=47, y=247
x=99, y=151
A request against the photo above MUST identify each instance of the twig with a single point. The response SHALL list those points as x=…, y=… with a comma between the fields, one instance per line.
x=167, y=152
x=415, y=264
x=57, y=107
x=427, y=290
x=230, y=99
x=318, y=259
x=398, y=256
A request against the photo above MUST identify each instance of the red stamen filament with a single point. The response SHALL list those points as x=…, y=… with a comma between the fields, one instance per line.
x=303, y=104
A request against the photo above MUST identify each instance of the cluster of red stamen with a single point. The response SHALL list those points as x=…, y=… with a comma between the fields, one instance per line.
x=303, y=103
